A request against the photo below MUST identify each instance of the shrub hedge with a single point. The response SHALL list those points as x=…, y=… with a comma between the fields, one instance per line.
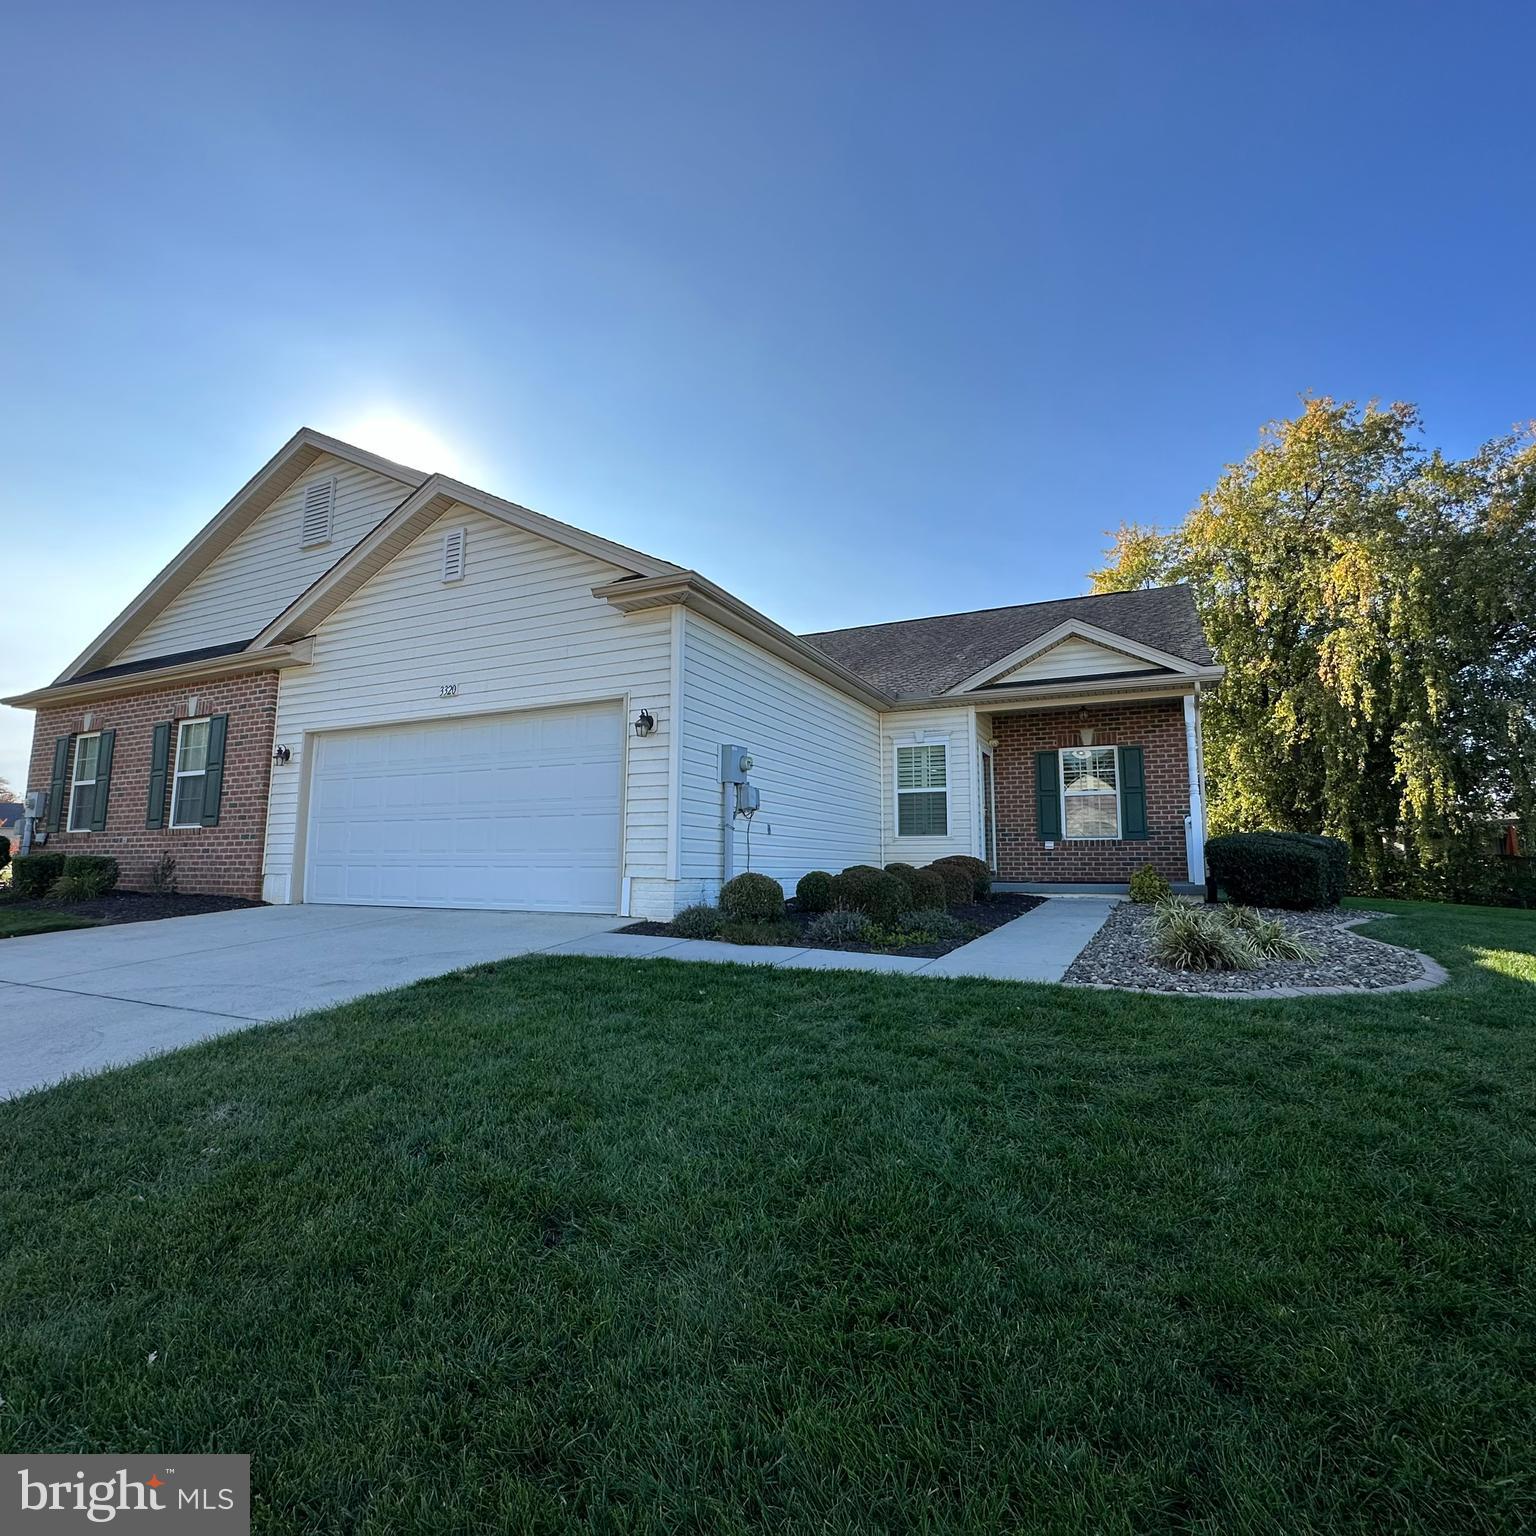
x=862, y=888
x=813, y=891
x=33, y=874
x=959, y=883
x=1268, y=869
x=5, y=851
x=752, y=898
x=981, y=875
x=95, y=869
x=929, y=892
x=1335, y=851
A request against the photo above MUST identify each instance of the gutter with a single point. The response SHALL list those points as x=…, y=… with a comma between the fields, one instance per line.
x=272, y=658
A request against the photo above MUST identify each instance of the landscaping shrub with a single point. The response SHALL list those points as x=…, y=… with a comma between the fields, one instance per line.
x=162, y=875
x=1335, y=851
x=903, y=872
x=5, y=851
x=871, y=891
x=934, y=926
x=33, y=874
x=839, y=927
x=981, y=875
x=813, y=891
x=1149, y=886
x=928, y=890
x=698, y=922
x=1268, y=869
x=1272, y=940
x=779, y=932
x=1190, y=938
x=959, y=885
x=92, y=869
x=752, y=898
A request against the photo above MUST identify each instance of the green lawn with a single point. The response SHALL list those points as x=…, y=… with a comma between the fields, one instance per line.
x=649, y=1247
x=15, y=921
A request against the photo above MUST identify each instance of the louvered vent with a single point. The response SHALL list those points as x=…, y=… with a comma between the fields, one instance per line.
x=453, y=555
x=319, y=503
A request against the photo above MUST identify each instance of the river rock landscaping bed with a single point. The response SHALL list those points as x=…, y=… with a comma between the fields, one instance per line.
x=977, y=918
x=1119, y=956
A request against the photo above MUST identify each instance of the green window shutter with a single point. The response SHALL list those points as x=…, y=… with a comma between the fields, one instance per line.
x=159, y=767
x=58, y=787
x=1133, y=794
x=213, y=786
x=103, y=781
x=1047, y=796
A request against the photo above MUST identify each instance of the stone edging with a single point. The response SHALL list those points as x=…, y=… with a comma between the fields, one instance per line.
x=1435, y=975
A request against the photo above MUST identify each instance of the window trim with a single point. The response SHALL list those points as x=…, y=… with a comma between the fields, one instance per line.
x=177, y=774
x=897, y=748
x=76, y=782
x=1061, y=772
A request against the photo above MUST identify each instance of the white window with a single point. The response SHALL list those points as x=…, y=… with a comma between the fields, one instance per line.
x=191, y=773
x=922, y=791
x=82, y=789
x=1090, y=792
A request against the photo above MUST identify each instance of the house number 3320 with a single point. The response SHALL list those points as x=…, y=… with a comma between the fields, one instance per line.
x=448, y=690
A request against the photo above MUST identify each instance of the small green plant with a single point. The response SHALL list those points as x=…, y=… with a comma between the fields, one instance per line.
x=934, y=926
x=97, y=869
x=1188, y=938
x=162, y=875
x=33, y=874
x=68, y=888
x=871, y=891
x=1147, y=885
x=698, y=922
x=779, y=932
x=1272, y=940
x=959, y=883
x=752, y=898
x=813, y=891
x=839, y=927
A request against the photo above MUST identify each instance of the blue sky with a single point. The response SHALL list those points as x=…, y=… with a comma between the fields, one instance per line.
x=866, y=311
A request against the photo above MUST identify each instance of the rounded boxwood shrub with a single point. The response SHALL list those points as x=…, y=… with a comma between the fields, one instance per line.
x=903, y=872
x=752, y=898
x=872, y=892
x=1147, y=885
x=33, y=874
x=981, y=875
x=1269, y=869
x=813, y=891
x=959, y=887
x=929, y=893
x=698, y=922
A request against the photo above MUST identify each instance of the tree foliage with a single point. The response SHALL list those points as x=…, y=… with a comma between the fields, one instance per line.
x=1374, y=603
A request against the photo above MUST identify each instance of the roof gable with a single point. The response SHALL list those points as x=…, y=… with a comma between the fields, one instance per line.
x=1074, y=650
x=164, y=617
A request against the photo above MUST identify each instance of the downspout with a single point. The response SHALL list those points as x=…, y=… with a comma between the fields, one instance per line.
x=1194, y=748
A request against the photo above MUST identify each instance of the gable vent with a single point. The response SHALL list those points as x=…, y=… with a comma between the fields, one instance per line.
x=319, y=504
x=453, y=555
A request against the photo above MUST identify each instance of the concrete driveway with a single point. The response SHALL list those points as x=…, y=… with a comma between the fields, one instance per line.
x=95, y=997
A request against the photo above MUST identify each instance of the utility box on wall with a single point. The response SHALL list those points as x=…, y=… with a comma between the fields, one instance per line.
x=735, y=765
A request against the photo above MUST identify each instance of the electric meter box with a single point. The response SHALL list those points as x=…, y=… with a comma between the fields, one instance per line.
x=735, y=765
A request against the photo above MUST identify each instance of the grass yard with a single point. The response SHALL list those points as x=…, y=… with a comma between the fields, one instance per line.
x=572, y=1244
x=16, y=921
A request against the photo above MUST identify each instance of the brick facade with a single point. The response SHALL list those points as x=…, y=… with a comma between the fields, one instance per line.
x=1156, y=726
x=225, y=860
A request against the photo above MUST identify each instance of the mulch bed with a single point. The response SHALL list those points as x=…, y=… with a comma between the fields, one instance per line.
x=979, y=917
x=1118, y=956
x=134, y=906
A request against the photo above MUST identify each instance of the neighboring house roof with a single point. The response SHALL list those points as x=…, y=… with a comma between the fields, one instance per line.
x=922, y=658
x=154, y=663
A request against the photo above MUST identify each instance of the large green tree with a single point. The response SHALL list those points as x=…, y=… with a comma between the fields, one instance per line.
x=1374, y=603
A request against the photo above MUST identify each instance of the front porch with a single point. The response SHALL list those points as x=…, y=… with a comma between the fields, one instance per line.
x=1083, y=796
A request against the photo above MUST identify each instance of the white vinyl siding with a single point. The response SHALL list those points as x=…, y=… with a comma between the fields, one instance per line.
x=953, y=729
x=1074, y=657
x=521, y=630
x=815, y=759
x=247, y=586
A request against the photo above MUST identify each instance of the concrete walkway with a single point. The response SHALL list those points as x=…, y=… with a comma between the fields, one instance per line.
x=1039, y=946
x=89, y=998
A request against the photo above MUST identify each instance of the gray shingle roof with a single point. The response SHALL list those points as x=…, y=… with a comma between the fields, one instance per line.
x=918, y=658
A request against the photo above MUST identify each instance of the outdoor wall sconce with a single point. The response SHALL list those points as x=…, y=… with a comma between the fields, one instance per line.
x=1084, y=730
x=282, y=755
x=645, y=723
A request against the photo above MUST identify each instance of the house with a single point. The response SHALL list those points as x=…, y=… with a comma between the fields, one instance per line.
x=362, y=683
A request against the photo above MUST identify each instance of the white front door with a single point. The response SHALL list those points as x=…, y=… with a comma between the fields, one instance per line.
x=518, y=810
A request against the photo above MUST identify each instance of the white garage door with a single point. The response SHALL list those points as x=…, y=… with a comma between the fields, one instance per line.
x=514, y=811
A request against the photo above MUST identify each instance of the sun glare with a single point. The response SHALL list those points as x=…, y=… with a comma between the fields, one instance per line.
x=396, y=436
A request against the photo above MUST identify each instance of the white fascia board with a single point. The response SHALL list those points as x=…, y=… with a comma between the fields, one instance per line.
x=1077, y=628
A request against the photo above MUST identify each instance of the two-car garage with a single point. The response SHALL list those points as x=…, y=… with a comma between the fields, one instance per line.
x=519, y=810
